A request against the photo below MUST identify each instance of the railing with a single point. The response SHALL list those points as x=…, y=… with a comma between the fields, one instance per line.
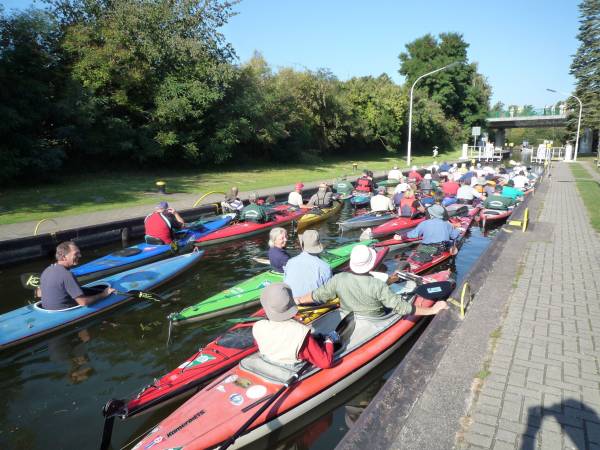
x=481, y=153
x=528, y=112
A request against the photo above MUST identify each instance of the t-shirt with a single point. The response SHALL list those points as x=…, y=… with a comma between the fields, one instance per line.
x=59, y=288
x=508, y=191
x=520, y=181
x=295, y=199
x=450, y=188
x=381, y=203
x=278, y=258
x=305, y=272
x=394, y=174
x=434, y=231
x=466, y=192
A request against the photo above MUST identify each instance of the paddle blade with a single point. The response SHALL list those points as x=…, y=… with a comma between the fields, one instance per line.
x=346, y=327
x=30, y=280
x=435, y=291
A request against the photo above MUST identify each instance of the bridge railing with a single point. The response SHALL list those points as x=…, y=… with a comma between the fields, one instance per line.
x=481, y=153
x=529, y=112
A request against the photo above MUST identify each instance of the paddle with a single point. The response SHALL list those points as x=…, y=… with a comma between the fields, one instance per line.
x=301, y=309
x=344, y=329
x=32, y=281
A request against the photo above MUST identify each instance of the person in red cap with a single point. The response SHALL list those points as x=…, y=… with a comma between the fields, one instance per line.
x=295, y=197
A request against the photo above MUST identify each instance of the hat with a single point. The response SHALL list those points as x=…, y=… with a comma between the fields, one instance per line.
x=402, y=187
x=427, y=176
x=362, y=259
x=278, y=303
x=310, y=241
x=395, y=167
x=381, y=189
x=162, y=205
x=414, y=167
x=299, y=185
x=436, y=211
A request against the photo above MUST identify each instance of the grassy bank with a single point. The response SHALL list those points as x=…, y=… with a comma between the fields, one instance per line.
x=79, y=193
x=589, y=190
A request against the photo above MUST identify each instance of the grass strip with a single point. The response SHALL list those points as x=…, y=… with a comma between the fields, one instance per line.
x=83, y=193
x=589, y=190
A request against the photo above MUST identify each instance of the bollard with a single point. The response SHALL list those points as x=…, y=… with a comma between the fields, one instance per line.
x=125, y=237
x=162, y=187
x=354, y=167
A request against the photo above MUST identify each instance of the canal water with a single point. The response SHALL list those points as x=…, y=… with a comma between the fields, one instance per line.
x=53, y=390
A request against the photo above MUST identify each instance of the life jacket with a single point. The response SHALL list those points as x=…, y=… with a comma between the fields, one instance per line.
x=406, y=207
x=363, y=184
x=158, y=226
x=280, y=342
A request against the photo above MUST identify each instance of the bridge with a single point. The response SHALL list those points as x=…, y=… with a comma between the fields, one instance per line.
x=526, y=118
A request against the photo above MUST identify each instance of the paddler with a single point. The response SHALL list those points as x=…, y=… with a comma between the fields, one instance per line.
x=381, y=202
x=343, y=186
x=295, y=197
x=436, y=230
x=281, y=339
x=364, y=294
x=160, y=224
x=498, y=201
x=509, y=190
x=232, y=201
x=414, y=176
x=466, y=194
x=394, y=174
x=409, y=205
x=323, y=198
x=306, y=272
x=253, y=212
x=364, y=184
x=59, y=287
x=278, y=257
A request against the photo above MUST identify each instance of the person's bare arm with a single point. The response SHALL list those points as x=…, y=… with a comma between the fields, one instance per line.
x=86, y=300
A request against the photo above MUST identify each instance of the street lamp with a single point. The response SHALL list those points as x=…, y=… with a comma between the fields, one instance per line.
x=411, y=103
x=578, y=123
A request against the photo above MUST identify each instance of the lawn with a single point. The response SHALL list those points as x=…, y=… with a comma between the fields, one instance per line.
x=589, y=189
x=77, y=194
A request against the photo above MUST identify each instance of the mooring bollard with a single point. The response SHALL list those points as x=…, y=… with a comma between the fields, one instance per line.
x=162, y=187
x=354, y=167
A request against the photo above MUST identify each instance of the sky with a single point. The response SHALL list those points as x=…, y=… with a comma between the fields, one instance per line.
x=522, y=47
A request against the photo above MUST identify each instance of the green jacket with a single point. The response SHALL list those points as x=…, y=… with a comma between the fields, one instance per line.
x=254, y=213
x=343, y=187
x=362, y=294
x=498, y=202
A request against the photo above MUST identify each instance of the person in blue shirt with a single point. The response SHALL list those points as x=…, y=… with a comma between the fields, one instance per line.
x=435, y=230
x=306, y=272
x=278, y=257
x=444, y=167
x=509, y=190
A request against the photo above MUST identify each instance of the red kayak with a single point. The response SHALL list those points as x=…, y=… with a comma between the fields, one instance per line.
x=282, y=214
x=220, y=409
x=397, y=242
x=395, y=225
x=210, y=361
x=493, y=215
x=420, y=266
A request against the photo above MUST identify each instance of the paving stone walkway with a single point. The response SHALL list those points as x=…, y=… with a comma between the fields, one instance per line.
x=543, y=387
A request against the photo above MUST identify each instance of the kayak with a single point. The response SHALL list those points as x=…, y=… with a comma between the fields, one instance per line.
x=138, y=255
x=283, y=215
x=217, y=411
x=208, y=362
x=458, y=209
x=247, y=293
x=371, y=219
x=493, y=215
x=312, y=217
x=395, y=225
x=396, y=244
x=32, y=321
x=421, y=265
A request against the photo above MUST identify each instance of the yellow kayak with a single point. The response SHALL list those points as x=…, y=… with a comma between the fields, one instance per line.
x=312, y=218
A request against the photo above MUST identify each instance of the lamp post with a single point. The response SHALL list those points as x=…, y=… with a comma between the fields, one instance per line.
x=578, y=122
x=411, y=106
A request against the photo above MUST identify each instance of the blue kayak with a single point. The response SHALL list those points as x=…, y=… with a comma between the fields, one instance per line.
x=32, y=321
x=371, y=219
x=138, y=255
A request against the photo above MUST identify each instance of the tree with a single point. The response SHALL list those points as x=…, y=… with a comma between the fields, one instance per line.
x=460, y=91
x=586, y=68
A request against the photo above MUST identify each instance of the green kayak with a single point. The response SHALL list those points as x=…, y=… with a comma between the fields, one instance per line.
x=247, y=293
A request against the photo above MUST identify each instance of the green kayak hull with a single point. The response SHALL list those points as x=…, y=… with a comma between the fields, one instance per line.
x=247, y=293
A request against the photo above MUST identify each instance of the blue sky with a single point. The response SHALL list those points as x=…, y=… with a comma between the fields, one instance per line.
x=522, y=47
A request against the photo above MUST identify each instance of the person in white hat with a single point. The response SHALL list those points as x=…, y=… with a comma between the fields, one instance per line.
x=358, y=291
x=307, y=271
x=394, y=174
x=381, y=202
x=426, y=186
x=283, y=340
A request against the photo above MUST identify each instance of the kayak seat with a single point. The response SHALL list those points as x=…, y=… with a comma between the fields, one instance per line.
x=269, y=370
x=153, y=240
x=131, y=251
x=240, y=338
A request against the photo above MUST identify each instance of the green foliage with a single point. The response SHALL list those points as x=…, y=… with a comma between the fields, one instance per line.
x=586, y=68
